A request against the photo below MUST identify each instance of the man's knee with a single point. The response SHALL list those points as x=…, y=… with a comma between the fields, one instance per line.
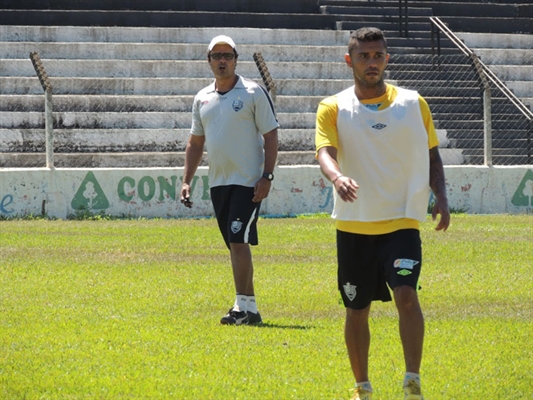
x=406, y=297
x=357, y=315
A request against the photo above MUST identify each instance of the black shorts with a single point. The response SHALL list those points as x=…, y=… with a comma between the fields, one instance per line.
x=368, y=263
x=236, y=214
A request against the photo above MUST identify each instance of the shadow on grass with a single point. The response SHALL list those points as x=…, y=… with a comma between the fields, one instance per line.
x=281, y=326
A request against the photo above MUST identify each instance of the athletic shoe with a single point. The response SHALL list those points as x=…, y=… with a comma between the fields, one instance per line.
x=361, y=394
x=234, y=317
x=254, y=318
x=412, y=391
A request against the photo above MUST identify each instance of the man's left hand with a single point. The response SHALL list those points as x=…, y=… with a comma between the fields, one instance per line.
x=261, y=189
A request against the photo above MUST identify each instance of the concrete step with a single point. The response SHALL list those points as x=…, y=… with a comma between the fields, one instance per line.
x=399, y=64
x=450, y=83
x=521, y=88
x=99, y=103
x=159, y=86
x=427, y=61
x=119, y=52
x=130, y=120
x=171, y=69
x=141, y=140
x=306, y=6
x=455, y=110
x=429, y=92
x=364, y=9
x=129, y=104
x=465, y=101
x=477, y=124
x=408, y=74
x=130, y=160
x=505, y=56
x=496, y=40
x=127, y=140
x=501, y=139
x=162, y=159
x=528, y=101
x=135, y=18
x=177, y=114
x=115, y=34
x=414, y=27
x=488, y=24
x=441, y=9
x=513, y=72
x=416, y=42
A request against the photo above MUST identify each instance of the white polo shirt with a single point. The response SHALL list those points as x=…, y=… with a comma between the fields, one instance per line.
x=233, y=125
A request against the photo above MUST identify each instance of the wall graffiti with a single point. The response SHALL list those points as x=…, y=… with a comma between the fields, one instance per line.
x=7, y=200
x=156, y=193
x=91, y=196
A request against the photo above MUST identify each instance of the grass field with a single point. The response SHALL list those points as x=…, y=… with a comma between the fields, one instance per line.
x=130, y=309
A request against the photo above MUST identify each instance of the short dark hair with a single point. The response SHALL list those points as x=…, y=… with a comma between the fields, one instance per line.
x=367, y=34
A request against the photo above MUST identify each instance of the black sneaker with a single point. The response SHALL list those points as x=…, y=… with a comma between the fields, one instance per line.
x=234, y=317
x=254, y=318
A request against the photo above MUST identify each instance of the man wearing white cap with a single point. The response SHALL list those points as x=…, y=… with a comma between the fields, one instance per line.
x=235, y=119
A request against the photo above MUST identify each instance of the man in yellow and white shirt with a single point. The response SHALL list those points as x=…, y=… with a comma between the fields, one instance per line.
x=377, y=144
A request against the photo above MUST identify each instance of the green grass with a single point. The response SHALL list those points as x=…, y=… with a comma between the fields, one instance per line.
x=129, y=309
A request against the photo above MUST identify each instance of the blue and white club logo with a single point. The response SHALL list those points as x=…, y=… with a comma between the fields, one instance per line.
x=236, y=226
x=237, y=105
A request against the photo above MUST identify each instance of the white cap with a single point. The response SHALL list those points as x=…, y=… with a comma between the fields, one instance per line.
x=221, y=39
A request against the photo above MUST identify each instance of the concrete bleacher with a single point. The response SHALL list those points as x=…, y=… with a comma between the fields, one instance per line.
x=482, y=16
x=123, y=90
x=123, y=94
x=119, y=91
x=509, y=56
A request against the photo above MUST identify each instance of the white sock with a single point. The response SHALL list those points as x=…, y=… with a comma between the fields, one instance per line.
x=251, y=305
x=366, y=385
x=411, y=376
x=240, y=303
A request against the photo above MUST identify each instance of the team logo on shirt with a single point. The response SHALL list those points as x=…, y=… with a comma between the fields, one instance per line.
x=236, y=226
x=379, y=126
x=350, y=291
x=237, y=105
x=373, y=107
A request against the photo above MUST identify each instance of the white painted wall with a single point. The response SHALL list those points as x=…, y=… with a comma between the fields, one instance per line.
x=154, y=192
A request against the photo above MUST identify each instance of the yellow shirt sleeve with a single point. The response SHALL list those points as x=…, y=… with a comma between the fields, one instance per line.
x=433, y=140
x=326, y=124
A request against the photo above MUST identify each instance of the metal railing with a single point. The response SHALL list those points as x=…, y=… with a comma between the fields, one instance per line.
x=403, y=8
x=487, y=78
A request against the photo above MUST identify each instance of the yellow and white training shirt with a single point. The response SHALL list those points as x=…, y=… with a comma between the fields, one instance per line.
x=383, y=144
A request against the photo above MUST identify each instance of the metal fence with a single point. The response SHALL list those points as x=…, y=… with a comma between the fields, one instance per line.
x=495, y=126
x=477, y=123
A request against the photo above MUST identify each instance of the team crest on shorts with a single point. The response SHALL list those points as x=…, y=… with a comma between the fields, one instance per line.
x=236, y=226
x=237, y=105
x=350, y=291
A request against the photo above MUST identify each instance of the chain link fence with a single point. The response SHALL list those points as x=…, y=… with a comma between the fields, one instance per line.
x=476, y=121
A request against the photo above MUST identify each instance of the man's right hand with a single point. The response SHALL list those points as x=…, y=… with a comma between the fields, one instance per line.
x=186, y=196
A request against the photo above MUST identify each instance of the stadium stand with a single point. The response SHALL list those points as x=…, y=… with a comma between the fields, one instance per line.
x=124, y=72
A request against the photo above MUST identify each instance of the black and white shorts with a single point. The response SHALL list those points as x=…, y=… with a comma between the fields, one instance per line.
x=367, y=264
x=236, y=214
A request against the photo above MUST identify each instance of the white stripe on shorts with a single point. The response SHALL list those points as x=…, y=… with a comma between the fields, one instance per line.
x=247, y=230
